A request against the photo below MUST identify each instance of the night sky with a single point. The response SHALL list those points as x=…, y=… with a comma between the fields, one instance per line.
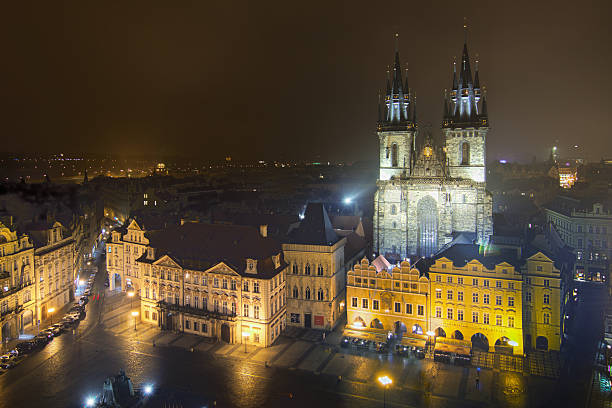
x=294, y=80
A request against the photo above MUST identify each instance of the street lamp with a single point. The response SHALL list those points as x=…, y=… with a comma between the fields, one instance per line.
x=50, y=313
x=131, y=294
x=245, y=336
x=385, y=381
x=134, y=315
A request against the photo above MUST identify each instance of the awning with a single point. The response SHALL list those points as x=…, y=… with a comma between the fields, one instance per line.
x=365, y=335
x=413, y=342
x=462, y=349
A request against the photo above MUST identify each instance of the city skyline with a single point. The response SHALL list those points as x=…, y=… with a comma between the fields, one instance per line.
x=294, y=84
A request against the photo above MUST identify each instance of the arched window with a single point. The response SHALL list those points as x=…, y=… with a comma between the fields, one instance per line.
x=295, y=269
x=307, y=294
x=320, y=294
x=465, y=153
x=320, y=270
x=295, y=292
x=307, y=269
x=393, y=209
x=394, y=155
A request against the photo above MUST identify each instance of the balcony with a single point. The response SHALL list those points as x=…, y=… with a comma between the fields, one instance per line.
x=163, y=306
x=14, y=289
x=15, y=310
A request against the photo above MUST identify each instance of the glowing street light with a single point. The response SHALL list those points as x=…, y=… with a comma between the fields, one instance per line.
x=135, y=315
x=50, y=313
x=430, y=333
x=245, y=336
x=385, y=381
x=347, y=200
x=90, y=401
x=148, y=389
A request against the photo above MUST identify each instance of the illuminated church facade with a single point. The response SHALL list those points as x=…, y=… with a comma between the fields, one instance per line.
x=428, y=192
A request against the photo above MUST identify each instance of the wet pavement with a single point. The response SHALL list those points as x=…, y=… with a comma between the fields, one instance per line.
x=298, y=371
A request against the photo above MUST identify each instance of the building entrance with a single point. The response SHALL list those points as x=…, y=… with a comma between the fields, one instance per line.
x=225, y=332
x=307, y=320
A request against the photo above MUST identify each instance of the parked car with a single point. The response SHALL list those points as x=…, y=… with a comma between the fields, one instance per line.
x=7, y=365
x=7, y=357
x=345, y=342
x=25, y=347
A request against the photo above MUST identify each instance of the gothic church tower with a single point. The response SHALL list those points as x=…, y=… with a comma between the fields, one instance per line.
x=396, y=125
x=465, y=124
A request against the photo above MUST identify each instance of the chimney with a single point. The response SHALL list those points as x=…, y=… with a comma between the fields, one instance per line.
x=263, y=230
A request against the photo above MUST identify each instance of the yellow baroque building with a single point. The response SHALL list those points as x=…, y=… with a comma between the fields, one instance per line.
x=500, y=300
x=381, y=297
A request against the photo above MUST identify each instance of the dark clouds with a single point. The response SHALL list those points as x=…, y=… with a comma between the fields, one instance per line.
x=292, y=80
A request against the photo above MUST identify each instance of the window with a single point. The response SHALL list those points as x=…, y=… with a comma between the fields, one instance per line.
x=187, y=324
x=486, y=283
x=307, y=293
x=393, y=209
x=295, y=317
x=498, y=300
x=474, y=317
x=307, y=269
x=510, y=321
x=224, y=308
x=421, y=310
x=449, y=279
x=320, y=270
x=498, y=284
x=233, y=285
x=354, y=302
x=449, y=314
x=510, y=301
x=255, y=287
x=460, y=296
x=408, y=308
x=204, y=328
x=216, y=306
x=147, y=313
x=375, y=304
x=204, y=303
x=320, y=294
x=485, y=318
x=196, y=326
x=224, y=283
x=398, y=307
x=449, y=294
x=539, y=268
x=546, y=299
x=245, y=310
x=438, y=278
x=460, y=315
x=546, y=318
x=245, y=286
x=475, y=297
x=528, y=281
x=465, y=153
x=438, y=293
x=438, y=312
x=474, y=282
x=528, y=297
x=295, y=292
x=394, y=154
x=498, y=320
x=485, y=298
x=295, y=269
x=256, y=311
x=460, y=280
x=546, y=283
x=216, y=283
x=364, y=303
x=510, y=285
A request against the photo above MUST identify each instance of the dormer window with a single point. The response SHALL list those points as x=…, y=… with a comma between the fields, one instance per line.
x=251, y=266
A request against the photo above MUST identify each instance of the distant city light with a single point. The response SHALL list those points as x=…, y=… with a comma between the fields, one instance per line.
x=148, y=389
